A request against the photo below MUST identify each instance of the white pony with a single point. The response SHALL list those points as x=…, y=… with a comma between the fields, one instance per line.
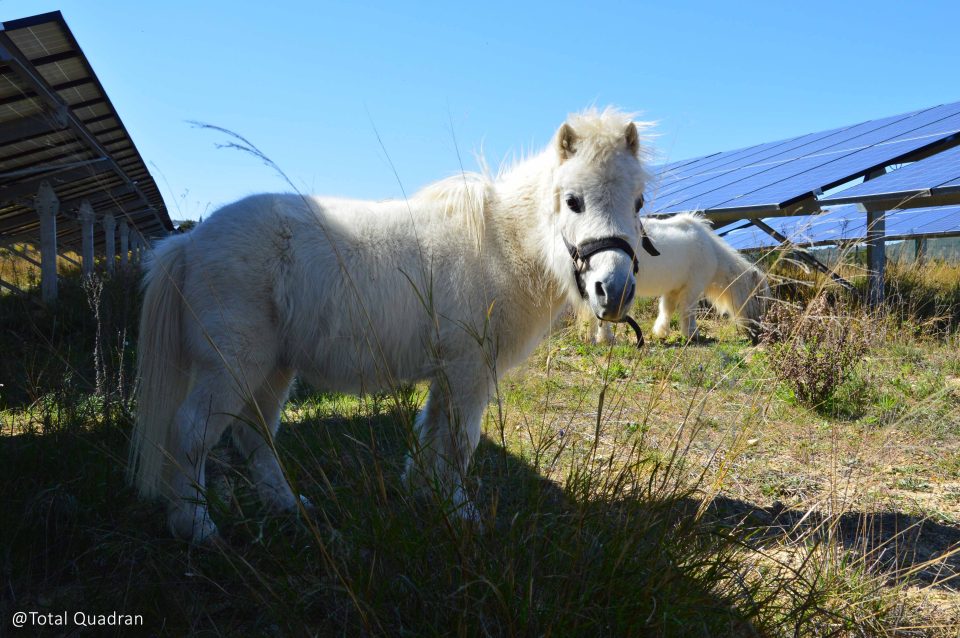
x=696, y=262
x=453, y=286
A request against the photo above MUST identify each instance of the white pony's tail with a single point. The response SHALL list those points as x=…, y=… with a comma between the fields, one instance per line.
x=163, y=373
x=739, y=289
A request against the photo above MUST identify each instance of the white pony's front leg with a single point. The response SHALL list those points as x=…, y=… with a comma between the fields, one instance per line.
x=604, y=332
x=448, y=429
x=668, y=303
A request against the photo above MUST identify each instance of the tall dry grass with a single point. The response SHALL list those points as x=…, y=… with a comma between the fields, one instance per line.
x=603, y=487
x=607, y=483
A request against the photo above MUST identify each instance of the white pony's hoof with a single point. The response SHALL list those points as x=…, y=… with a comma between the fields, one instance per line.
x=470, y=516
x=194, y=524
x=660, y=331
x=604, y=334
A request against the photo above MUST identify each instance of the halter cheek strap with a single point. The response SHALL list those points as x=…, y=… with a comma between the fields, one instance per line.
x=581, y=262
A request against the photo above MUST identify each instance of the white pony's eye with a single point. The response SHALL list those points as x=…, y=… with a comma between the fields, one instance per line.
x=575, y=203
x=639, y=203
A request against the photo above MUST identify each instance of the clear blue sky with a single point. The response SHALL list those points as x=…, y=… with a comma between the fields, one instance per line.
x=308, y=82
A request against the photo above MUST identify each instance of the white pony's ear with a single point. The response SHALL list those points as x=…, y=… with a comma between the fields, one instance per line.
x=566, y=142
x=633, y=139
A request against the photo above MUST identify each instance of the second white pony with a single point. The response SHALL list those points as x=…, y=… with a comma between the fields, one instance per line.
x=695, y=262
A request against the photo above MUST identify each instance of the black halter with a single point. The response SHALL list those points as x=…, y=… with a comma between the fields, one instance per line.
x=581, y=262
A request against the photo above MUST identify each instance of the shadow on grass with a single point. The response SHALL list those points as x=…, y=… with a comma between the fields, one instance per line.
x=926, y=551
x=374, y=559
x=377, y=561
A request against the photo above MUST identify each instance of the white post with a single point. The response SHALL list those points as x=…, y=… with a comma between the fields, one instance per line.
x=124, y=243
x=109, y=233
x=86, y=236
x=876, y=257
x=47, y=205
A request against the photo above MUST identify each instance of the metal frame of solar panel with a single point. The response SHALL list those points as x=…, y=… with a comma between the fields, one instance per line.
x=847, y=223
x=934, y=180
x=785, y=177
x=58, y=125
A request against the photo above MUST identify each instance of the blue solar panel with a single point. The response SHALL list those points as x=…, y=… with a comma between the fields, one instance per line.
x=940, y=220
x=778, y=153
x=750, y=238
x=784, y=149
x=769, y=175
x=722, y=162
x=848, y=223
x=937, y=171
x=768, y=154
x=810, y=174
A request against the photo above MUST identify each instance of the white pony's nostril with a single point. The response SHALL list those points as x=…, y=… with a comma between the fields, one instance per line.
x=601, y=293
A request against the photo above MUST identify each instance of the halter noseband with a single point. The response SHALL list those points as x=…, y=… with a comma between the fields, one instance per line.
x=581, y=262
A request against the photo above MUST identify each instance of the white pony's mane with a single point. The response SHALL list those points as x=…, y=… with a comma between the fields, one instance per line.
x=600, y=133
x=463, y=195
x=466, y=194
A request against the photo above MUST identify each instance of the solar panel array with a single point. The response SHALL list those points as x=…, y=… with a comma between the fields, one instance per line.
x=936, y=175
x=770, y=177
x=847, y=223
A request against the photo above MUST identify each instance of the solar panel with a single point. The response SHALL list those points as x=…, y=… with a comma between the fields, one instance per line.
x=784, y=151
x=766, y=154
x=940, y=171
x=778, y=183
x=848, y=223
x=811, y=174
x=775, y=174
x=924, y=222
x=750, y=238
x=45, y=70
x=716, y=162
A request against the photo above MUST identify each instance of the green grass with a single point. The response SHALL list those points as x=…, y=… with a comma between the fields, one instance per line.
x=674, y=491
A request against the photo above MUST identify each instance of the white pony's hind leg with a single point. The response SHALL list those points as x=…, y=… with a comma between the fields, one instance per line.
x=212, y=405
x=689, y=299
x=447, y=443
x=250, y=438
x=668, y=303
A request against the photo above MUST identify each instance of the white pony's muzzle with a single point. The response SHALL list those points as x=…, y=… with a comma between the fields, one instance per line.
x=610, y=285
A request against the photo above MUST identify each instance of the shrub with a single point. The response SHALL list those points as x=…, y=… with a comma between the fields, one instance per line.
x=814, y=350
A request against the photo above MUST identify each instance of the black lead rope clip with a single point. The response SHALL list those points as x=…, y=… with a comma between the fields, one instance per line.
x=581, y=260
